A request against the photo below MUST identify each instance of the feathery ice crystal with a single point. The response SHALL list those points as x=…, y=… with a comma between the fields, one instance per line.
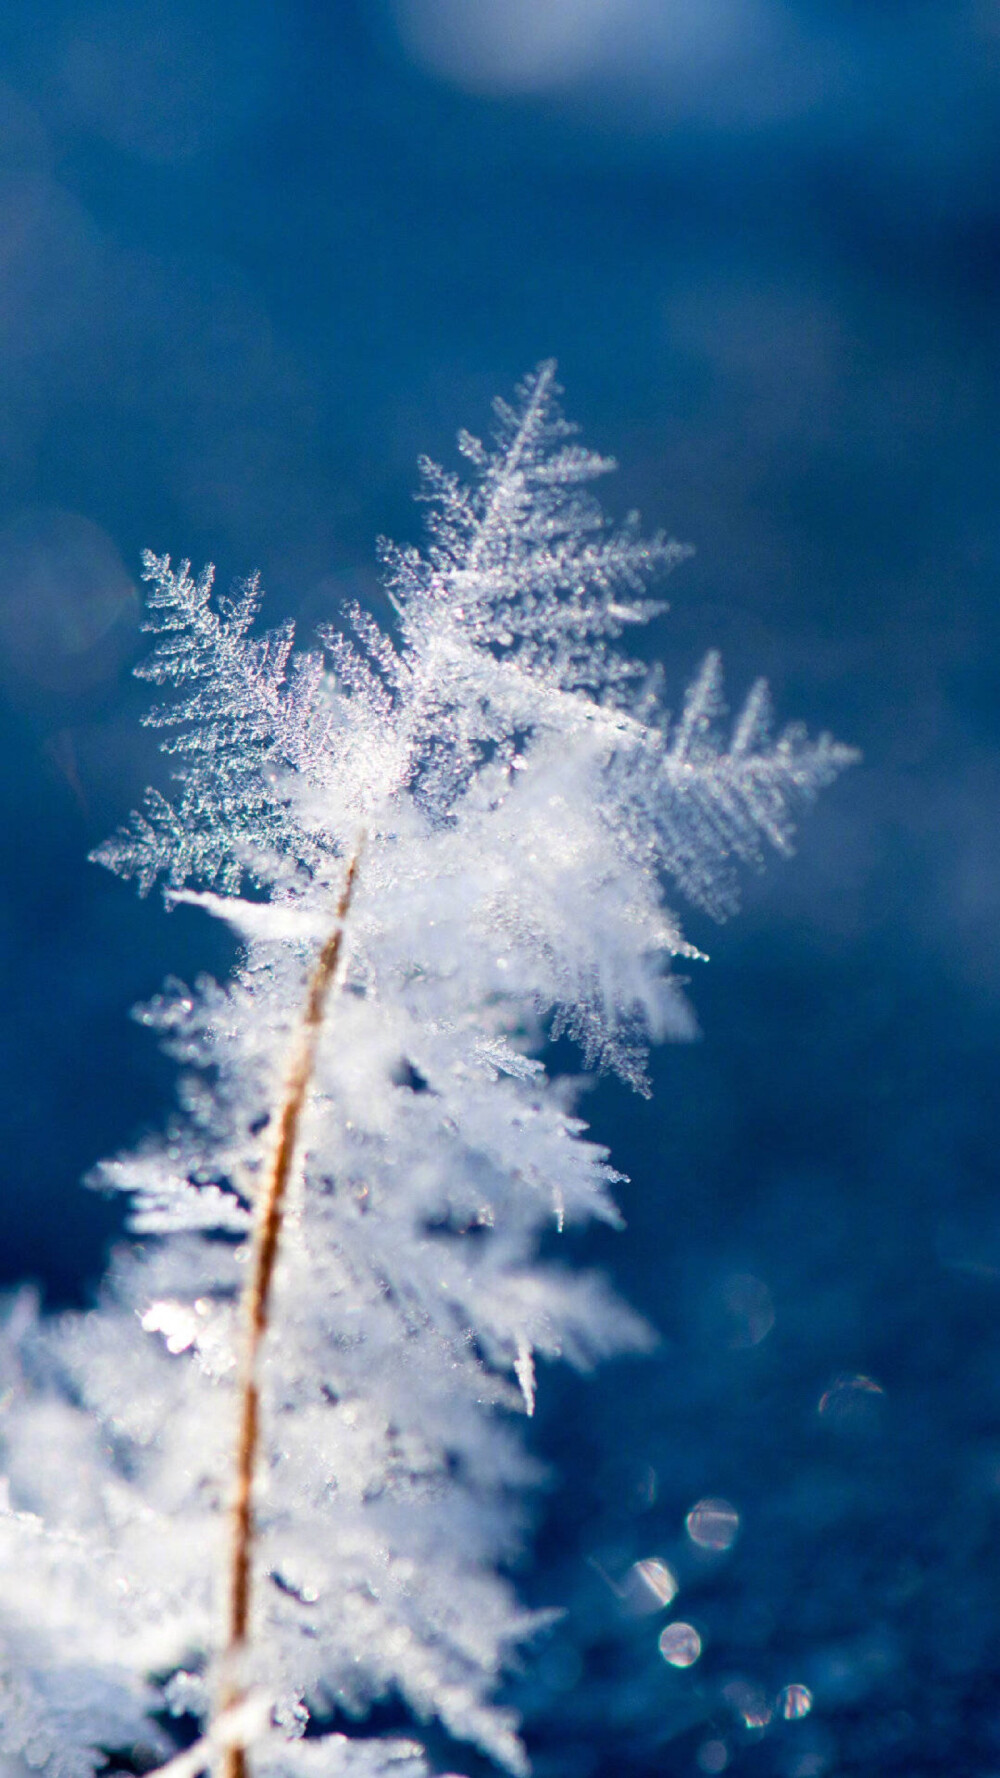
x=439, y=851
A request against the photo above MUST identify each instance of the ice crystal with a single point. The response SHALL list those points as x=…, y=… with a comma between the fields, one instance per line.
x=511, y=797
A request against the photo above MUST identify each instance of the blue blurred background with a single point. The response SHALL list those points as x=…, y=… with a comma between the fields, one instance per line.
x=253, y=259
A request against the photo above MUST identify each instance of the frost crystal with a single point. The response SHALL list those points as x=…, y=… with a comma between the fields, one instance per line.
x=505, y=796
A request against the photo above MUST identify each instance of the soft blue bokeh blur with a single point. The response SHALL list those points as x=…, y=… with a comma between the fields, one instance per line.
x=253, y=259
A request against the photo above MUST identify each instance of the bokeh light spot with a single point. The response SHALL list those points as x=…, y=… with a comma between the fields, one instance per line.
x=852, y=1403
x=713, y=1524
x=504, y=46
x=794, y=1702
x=650, y=1585
x=680, y=1644
x=749, y=1703
x=68, y=608
x=748, y=1311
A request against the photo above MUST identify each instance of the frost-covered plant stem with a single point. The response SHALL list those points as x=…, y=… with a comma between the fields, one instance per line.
x=524, y=797
x=256, y=1305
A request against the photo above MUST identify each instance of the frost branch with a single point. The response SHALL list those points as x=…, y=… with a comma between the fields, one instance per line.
x=346, y=1282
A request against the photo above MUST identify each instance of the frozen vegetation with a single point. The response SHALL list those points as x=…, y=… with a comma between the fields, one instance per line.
x=277, y=1473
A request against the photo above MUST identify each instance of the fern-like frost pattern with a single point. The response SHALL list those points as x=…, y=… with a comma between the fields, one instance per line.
x=516, y=798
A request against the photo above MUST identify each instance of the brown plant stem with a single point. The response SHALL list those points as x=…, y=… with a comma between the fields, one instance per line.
x=268, y=1218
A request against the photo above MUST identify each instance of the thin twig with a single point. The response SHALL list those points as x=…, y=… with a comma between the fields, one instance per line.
x=268, y=1219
